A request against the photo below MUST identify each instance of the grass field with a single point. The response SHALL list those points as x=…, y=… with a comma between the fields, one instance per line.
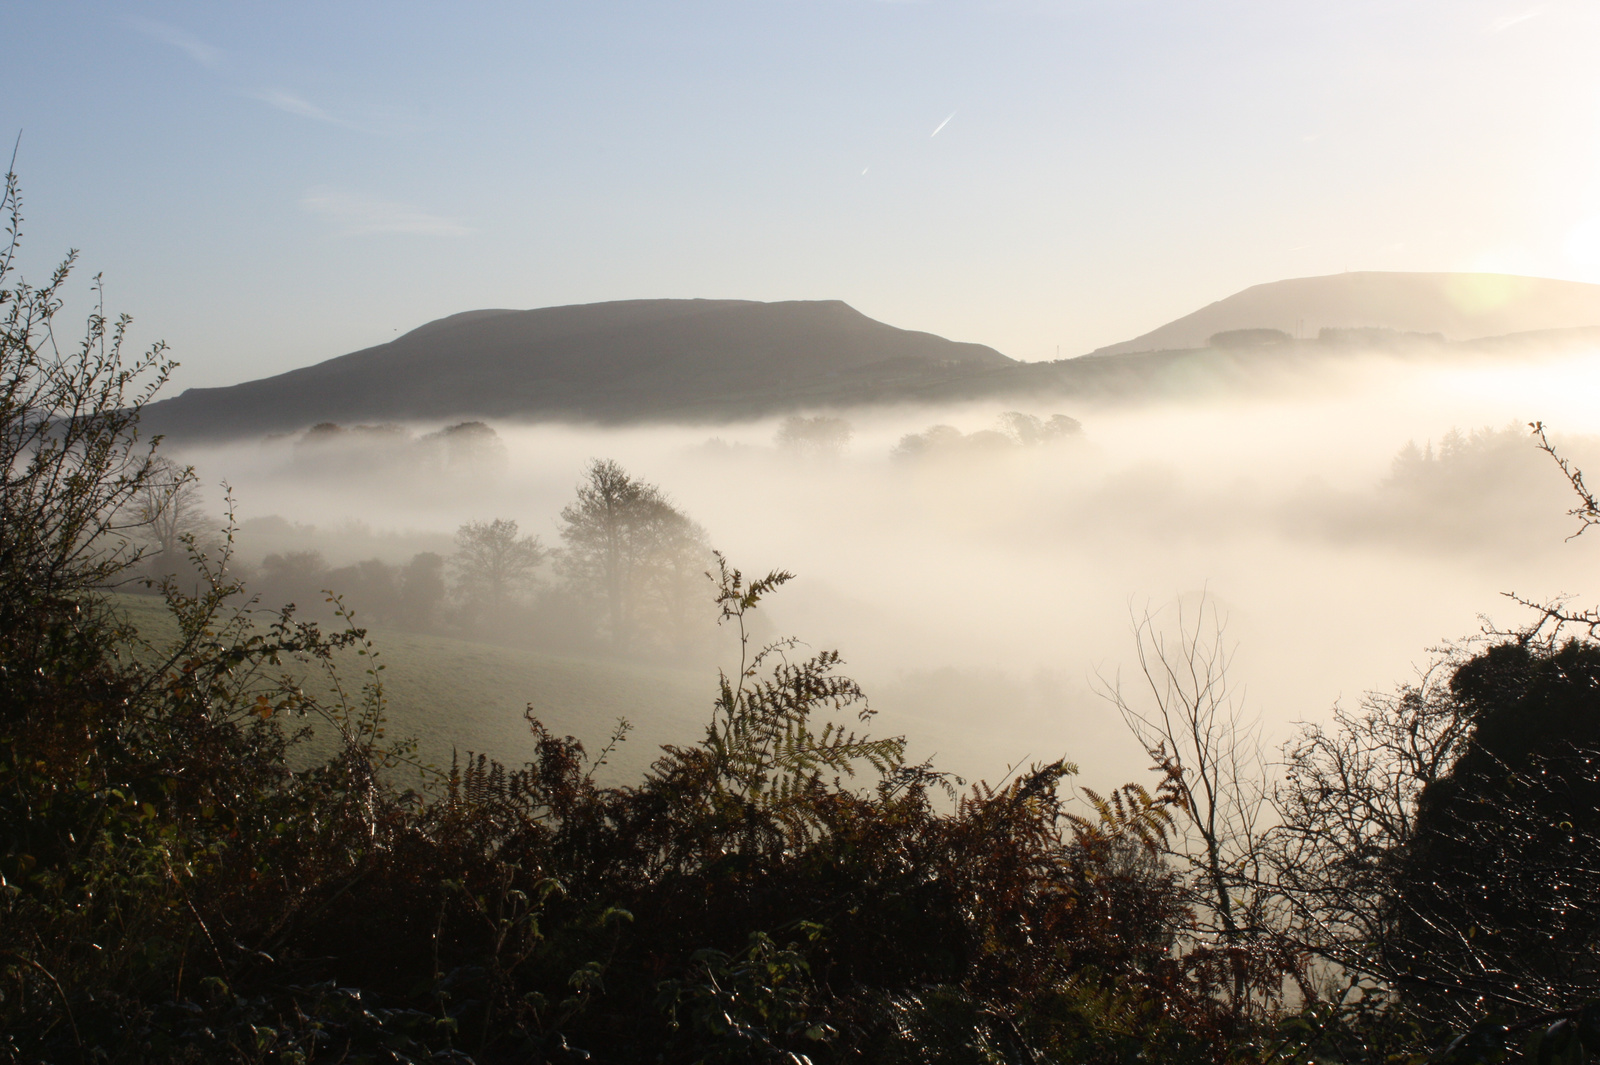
x=451, y=694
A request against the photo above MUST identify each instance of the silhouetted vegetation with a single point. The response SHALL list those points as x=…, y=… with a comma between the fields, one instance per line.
x=465, y=449
x=818, y=435
x=493, y=565
x=629, y=578
x=636, y=558
x=1017, y=430
x=1248, y=338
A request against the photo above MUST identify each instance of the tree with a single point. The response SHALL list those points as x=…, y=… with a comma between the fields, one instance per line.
x=493, y=564
x=633, y=551
x=1017, y=430
x=121, y=758
x=72, y=462
x=1191, y=723
x=466, y=447
x=422, y=589
x=293, y=578
x=1029, y=431
x=169, y=514
x=1248, y=338
x=935, y=441
x=1493, y=895
x=818, y=435
x=1441, y=848
x=1347, y=810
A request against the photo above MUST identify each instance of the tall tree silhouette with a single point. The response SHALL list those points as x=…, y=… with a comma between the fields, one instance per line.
x=631, y=549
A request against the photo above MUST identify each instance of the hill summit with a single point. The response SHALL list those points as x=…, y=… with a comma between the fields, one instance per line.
x=630, y=360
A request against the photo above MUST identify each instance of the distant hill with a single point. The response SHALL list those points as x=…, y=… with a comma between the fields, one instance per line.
x=634, y=360
x=1460, y=307
x=723, y=360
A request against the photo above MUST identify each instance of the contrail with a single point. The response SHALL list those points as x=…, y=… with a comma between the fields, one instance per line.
x=942, y=125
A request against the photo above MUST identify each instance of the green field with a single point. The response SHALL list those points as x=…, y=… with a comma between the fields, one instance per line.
x=451, y=694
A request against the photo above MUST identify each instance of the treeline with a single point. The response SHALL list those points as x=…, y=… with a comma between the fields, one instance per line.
x=1016, y=430
x=628, y=576
x=466, y=449
x=181, y=881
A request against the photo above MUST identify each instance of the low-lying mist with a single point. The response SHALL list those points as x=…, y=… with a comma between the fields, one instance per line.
x=980, y=580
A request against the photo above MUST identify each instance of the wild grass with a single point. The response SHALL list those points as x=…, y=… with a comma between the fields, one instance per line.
x=454, y=696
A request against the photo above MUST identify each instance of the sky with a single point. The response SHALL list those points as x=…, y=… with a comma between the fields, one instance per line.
x=269, y=185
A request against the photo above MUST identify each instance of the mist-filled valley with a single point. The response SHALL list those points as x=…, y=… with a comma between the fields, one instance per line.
x=980, y=568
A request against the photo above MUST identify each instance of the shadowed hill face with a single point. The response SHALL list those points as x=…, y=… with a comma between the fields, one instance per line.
x=1458, y=306
x=635, y=360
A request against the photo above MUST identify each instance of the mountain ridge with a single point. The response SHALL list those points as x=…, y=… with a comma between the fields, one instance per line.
x=709, y=360
x=624, y=360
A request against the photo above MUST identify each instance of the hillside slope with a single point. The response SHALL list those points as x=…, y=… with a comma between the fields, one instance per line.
x=606, y=362
x=1460, y=306
x=455, y=696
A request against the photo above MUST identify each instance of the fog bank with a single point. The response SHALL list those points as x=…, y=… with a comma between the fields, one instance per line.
x=979, y=589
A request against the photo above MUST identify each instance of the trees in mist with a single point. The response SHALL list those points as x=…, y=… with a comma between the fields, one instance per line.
x=422, y=590
x=818, y=435
x=293, y=577
x=1015, y=430
x=410, y=595
x=1461, y=462
x=1248, y=338
x=626, y=546
x=492, y=566
x=1028, y=430
x=469, y=449
x=466, y=447
x=630, y=577
x=170, y=517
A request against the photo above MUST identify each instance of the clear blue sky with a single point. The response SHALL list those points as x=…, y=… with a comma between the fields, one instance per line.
x=268, y=185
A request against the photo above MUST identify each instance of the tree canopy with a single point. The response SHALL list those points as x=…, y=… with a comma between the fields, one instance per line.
x=641, y=559
x=493, y=564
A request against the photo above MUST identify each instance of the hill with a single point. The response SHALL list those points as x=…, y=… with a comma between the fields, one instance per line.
x=723, y=360
x=1458, y=306
x=634, y=360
